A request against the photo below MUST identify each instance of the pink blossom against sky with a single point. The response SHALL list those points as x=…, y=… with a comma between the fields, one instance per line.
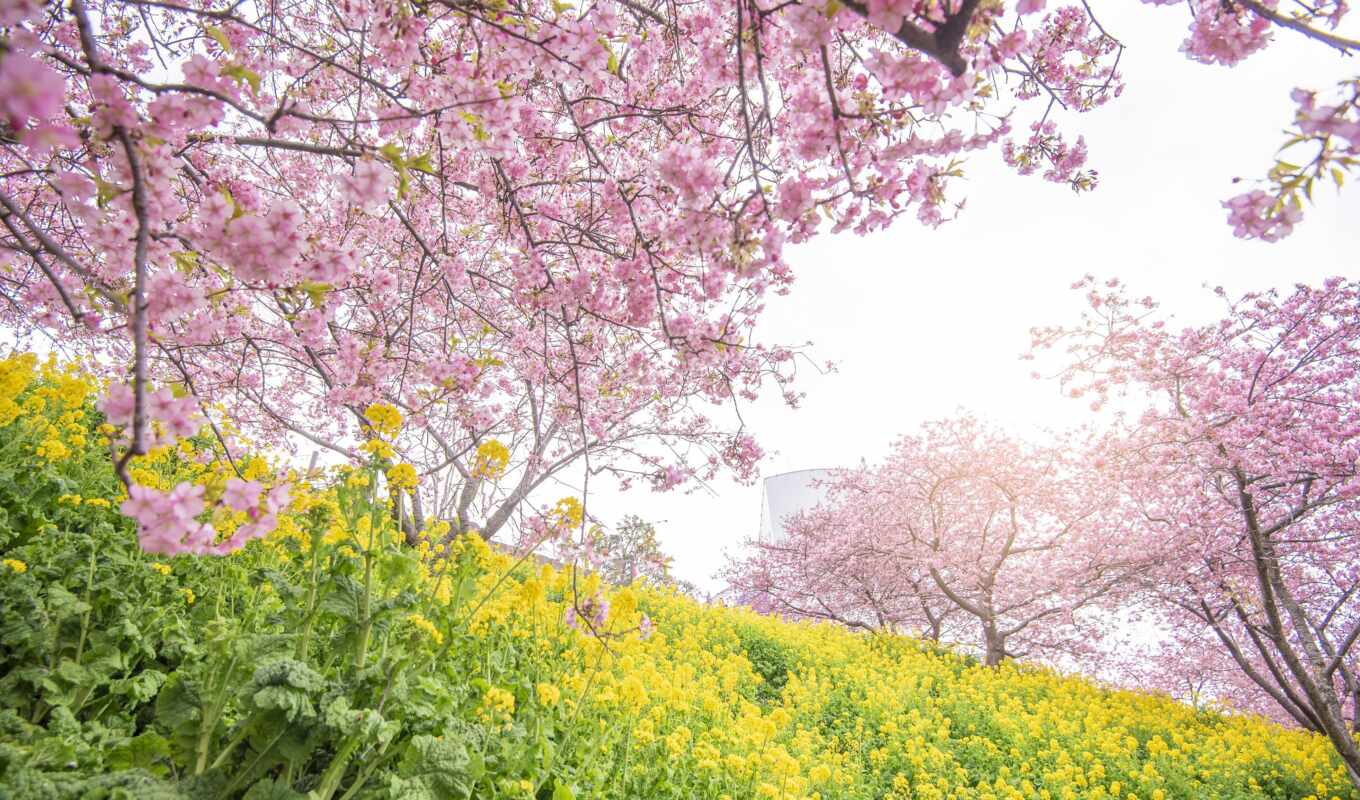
x=924, y=322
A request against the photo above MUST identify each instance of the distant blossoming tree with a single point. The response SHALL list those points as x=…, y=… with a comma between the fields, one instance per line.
x=821, y=568
x=964, y=534
x=629, y=552
x=1242, y=474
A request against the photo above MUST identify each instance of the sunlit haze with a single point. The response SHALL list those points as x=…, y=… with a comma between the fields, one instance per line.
x=921, y=322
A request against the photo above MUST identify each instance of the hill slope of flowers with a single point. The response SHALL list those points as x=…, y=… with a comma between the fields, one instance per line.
x=330, y=660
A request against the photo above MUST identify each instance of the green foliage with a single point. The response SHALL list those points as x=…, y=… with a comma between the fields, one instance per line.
x=771, y=660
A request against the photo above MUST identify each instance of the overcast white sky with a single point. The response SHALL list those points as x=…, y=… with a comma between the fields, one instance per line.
x=925, y=322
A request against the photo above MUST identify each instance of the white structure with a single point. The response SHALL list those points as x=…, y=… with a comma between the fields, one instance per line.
x=787, y=494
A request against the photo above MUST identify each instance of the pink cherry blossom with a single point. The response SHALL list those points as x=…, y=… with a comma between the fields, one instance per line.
x=179, y=414
x=1258, y=215
x=13, y=12
x=506, y=228
x=44, y=137
x=166, y=521
x=1225, y=33
x=171, y=297
x=962, y=535
x=242, y=495
x=1326, y=142
x=371, y=184
x=32, y=90
x=118, y=404
x=685, y=168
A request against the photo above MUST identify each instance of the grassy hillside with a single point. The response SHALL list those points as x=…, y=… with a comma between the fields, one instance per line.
x=330, y=662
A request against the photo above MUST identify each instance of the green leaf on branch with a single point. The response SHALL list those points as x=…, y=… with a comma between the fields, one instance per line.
x=219, y=37
x=316, y=292
x=243, y=75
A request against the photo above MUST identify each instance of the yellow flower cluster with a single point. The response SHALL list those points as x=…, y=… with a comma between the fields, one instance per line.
x=548, y=695
x=491, y=459
x=737, y=705
x=402, y=476
x=497, y=708
x=425, y=628
x=76, y=500
x=256, y=468
x=385, y=418
x=16, y=372
x=750, y=706
x=378, y=449
x=436, y=533
x=54, y=403
x=568, y=513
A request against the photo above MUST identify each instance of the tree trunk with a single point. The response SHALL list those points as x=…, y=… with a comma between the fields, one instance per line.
x=417, y=513
x=402, y=521
x=1308, y=668
x=995, y=644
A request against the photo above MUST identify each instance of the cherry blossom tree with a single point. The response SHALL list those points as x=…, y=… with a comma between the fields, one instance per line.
x=630, y=551
x=1241, y=473
x=963, y=533
x=551, y=223
x=824, y=568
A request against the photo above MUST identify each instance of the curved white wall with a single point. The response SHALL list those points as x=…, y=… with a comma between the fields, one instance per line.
x=787, y=494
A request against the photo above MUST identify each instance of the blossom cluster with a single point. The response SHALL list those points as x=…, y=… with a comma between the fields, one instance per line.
x=1325, y=142
x=512, y=207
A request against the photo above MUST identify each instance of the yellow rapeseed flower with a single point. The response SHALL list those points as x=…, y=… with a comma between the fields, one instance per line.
x=53, y=449
x=385, y=418
x=420, y=623
x=379, y=449
x=16, y=373
x=256, y=468
x=548, y=695
x=848, y=715
x=498, y=706
x=402, y=476
x=569, y=512
x=491, y=459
